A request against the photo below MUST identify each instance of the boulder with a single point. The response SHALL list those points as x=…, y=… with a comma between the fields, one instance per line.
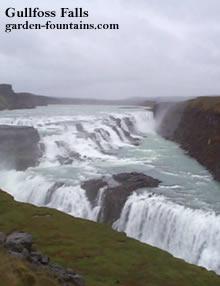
x=19, y=245
x=18, y=241
x=36, y=257
x=66, y=276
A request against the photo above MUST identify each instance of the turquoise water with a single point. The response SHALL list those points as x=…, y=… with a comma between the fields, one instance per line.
x=181, y=216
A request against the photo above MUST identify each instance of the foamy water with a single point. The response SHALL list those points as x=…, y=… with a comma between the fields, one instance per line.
x=181, y=216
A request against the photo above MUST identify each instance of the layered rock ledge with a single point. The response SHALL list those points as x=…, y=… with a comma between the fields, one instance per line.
x=115, y=192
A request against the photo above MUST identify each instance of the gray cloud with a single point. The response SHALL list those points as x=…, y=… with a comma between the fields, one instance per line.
x=163, y=48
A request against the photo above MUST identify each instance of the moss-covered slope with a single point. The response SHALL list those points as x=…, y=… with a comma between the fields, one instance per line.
x=103, y=256
x=16, y=272
x=206, y=103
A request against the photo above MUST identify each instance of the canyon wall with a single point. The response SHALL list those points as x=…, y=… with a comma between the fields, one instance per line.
x=19, y=147
x=195, y=125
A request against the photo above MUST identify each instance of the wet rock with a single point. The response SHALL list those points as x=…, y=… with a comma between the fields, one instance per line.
x=79, y=127
x=64, y=160
x=129, y=125
x=19, y=147
x=116, y=195
x=136, y=181
x=69, y=157
x=51, y=191
x=133, y=140
x=103, y=133
x=92, y=188
x=17, y=241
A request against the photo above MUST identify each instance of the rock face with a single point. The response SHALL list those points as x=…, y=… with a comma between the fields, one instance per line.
x=11, y=100
x=19, y=147
x=116, y=194
x=195, y=125
x=92, y=188
x=19, y=244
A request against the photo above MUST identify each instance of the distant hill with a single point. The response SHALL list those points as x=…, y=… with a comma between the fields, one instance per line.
x=12, y=100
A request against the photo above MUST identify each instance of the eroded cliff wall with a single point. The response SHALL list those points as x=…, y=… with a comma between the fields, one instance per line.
x=195, y=125
x=19, y=147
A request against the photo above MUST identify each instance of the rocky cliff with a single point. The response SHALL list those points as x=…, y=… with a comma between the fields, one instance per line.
x=11, y=100
x=19, y=147
x=195, y=125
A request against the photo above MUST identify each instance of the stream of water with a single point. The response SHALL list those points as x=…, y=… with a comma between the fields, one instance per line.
x=181, y=216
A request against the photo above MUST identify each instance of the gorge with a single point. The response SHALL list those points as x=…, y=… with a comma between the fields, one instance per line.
x=180, y=214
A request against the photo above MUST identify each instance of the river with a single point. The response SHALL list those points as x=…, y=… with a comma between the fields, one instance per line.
x=181, y=216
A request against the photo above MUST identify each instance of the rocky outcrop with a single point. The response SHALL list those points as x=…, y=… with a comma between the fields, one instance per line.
x=92, y=188
x=116, y=192
x=20, y=245
x=12, y=100
x=19, y=147
x=195, y=125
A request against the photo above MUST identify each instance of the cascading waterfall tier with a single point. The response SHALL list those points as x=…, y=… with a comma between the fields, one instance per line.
x=85, y=143
x=191, y=234
x=77, y=138
x=74, y=147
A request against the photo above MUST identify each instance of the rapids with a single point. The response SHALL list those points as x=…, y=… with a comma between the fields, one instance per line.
x=181, y=216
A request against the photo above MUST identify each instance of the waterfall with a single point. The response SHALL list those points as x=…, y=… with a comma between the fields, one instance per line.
x=80, y=145
x=191, y=234
x=72, y=145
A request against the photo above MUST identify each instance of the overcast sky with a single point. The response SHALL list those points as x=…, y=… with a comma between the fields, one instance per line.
x=163, y=48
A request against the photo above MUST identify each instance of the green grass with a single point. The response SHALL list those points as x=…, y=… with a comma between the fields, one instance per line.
x=206, y=103
x=15, y=272
x=103, y=256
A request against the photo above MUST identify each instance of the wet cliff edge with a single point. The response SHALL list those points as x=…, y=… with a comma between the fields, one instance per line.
x=195, y=125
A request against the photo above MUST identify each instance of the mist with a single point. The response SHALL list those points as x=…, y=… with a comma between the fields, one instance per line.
x=161, y=49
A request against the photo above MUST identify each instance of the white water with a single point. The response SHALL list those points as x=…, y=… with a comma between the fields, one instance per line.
x=193, y=235
x=181, y=216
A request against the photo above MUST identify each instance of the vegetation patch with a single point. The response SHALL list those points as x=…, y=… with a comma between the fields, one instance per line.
x=101, y=255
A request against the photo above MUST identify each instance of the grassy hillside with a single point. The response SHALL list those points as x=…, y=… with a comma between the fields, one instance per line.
x=103, y=256
x=15, y=272
x=206, y=103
